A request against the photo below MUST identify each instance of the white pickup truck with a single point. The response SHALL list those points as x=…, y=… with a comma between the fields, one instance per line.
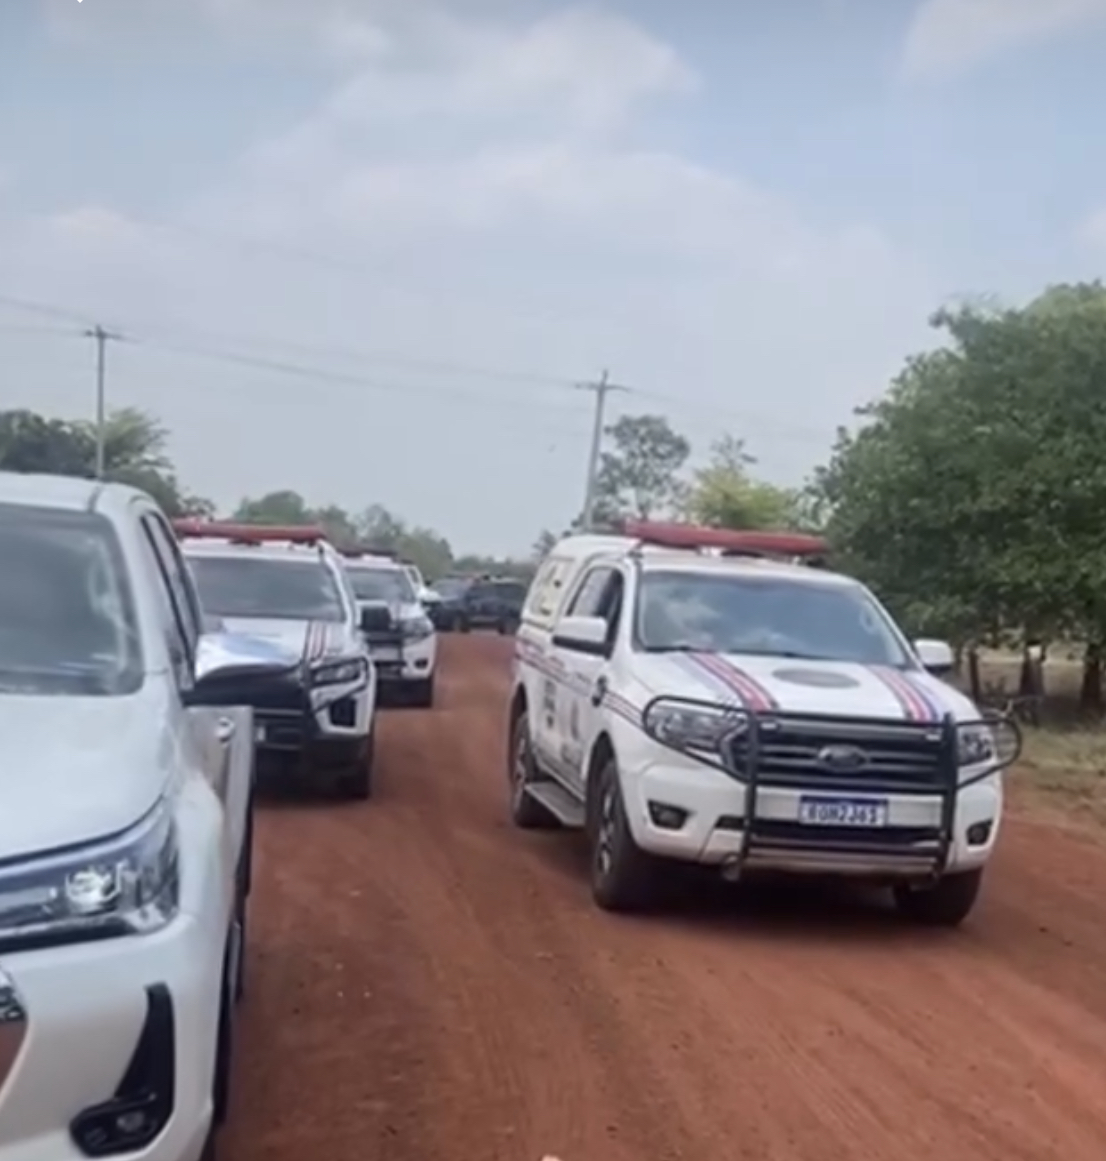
x=687, y=694
x=125, y=833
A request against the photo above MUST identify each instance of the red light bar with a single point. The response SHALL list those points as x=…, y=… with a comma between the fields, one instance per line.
x=672, y=535
x=192, y=529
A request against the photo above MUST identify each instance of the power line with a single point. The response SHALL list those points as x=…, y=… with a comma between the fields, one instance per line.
x=601, y=389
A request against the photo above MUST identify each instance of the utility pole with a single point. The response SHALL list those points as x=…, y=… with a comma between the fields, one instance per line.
x=602, y=389
x=101, y=336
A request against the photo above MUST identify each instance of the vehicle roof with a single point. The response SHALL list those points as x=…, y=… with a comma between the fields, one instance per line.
x=272, y=550
x=376, y=563
x=655, y=557
x=34, y=490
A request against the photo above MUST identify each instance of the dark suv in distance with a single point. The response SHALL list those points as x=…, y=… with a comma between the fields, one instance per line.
x=493, y=603
x=446, y=612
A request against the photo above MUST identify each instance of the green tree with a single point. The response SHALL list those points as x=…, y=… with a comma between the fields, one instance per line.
x=972, y=496
x=724, y=494
x=639, y=475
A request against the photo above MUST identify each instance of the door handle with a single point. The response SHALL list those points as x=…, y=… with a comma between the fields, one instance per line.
x=224, y=730
x=599, y=691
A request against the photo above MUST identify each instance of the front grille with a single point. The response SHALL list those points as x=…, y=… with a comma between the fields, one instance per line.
x=850, y=838
x=282, y=696
x=901, y=757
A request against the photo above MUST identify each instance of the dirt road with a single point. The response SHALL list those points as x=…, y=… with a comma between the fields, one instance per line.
x=429, y=985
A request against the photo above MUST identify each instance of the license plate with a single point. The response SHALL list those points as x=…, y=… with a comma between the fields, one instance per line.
x=386, y=656
x=859, y=812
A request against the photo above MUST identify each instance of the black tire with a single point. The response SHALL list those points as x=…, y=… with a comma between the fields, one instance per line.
x=463, y=625
x=224, y=1041
x=526, y=812
x=422, y=694
x=356, y=783
x=946, y=903
x=623, y=877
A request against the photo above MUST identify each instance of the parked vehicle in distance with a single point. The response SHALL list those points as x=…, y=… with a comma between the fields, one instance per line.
x=445, y=612
x=696, y=695
x=491, y=603
x=126, y=831
x=289, y=585
x=399, y=634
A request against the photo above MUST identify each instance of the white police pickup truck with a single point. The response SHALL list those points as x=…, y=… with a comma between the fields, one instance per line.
x=125, y=833
x=687, y=694
x=288, y=585
x=400, y=636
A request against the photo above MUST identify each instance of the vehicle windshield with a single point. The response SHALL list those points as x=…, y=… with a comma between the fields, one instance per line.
x=67, y=618
x=292, y=590
x=772, y=616
x=383, y=584
x=509, y=591
x=451, y=587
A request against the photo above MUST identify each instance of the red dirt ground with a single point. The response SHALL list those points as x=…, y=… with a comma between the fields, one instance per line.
x=428, y=984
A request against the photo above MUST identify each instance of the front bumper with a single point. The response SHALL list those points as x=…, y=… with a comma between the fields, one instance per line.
x=766, y=811
x=86, y=1009
x=405, y=660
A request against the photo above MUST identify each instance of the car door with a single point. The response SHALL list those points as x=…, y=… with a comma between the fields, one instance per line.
x=598, y=595
x=217, y=740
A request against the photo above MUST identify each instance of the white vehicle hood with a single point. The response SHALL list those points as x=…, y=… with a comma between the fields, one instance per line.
x=76, y=769
x=799, y=686
x=308, y=640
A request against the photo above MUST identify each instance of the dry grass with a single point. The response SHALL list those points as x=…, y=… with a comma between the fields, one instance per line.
x=1062, y=771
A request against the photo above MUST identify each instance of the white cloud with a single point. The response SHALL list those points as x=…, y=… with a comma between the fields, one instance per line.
x=489, y=193
x=947, y=37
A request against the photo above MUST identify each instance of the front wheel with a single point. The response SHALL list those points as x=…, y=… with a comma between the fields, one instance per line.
x=623, y=876
x=356, y=783
x=946, y=903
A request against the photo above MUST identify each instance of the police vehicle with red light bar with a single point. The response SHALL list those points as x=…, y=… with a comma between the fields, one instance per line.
x=125, y=834
x=288, y=585
x=699, y=695
x=401, y=637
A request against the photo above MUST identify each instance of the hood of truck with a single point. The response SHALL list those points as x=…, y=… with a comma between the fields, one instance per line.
x=308, y=640
x=77, y=769
x=837, y=688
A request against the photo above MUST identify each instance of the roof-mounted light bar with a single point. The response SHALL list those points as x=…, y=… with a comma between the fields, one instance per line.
x=356, y=551
x=192, y=529
x=729, y=541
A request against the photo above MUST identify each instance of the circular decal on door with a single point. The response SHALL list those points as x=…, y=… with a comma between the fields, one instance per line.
x=816, y=678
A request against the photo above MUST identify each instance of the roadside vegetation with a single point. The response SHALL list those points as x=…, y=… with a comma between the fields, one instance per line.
x=971, y=496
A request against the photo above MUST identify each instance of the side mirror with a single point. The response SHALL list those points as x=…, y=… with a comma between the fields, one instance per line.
x=582, y=635
x=230, y=666
x=376, y=619
x=935, y=656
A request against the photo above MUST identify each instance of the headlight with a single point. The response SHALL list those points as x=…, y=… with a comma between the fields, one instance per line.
x=689, y=726
x=975, y=745
x=127, y=885
x=338, y=673
x=995, y=743
x=417, y=628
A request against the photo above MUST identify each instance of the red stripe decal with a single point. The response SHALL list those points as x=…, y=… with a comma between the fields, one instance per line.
x=752, y=694
x=913, y=706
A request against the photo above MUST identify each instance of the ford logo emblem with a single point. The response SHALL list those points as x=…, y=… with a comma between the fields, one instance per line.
x=842, y=759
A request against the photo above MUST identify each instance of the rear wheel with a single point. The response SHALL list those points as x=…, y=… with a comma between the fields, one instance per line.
x=946, y=903
x=623, y=876
x=463, y=625
x=526, y=812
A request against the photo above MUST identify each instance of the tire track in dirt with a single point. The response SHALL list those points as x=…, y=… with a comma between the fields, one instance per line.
x=429, y=984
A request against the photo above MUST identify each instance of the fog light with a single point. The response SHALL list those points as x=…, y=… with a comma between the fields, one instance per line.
x=979, y=833
x=667, y=817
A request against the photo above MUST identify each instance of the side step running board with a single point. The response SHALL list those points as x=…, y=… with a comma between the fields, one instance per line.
x=565, y=807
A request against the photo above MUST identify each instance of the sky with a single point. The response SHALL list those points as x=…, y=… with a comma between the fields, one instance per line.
x=368, y=249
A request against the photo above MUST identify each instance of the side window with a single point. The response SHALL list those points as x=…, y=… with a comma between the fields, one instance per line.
x=588, y=601
x=178, y=596
x=547, y=588
x=610, y=604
